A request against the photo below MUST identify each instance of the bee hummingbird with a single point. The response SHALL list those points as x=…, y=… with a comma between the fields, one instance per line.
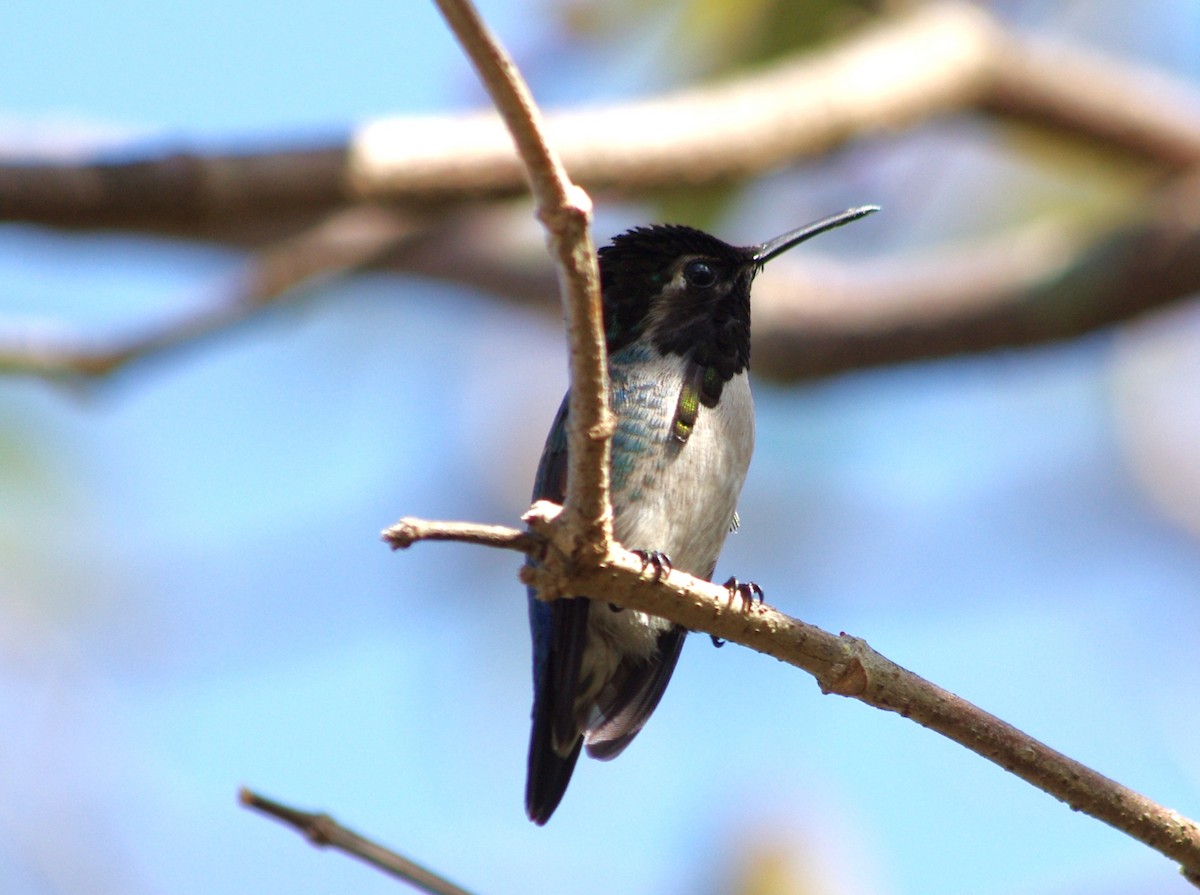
x=677, y=323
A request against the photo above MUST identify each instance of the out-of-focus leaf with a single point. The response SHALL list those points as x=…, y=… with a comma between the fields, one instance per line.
x=710, y=37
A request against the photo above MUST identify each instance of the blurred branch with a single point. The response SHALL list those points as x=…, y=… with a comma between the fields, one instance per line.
x=1045, y=284
x=842, y=664
x=942, y=57
x=814, y=317
x=322, y=830
x=565, y=213
x=938, y=59
x=346, y=240
x=1096, y=98
x=903, y=71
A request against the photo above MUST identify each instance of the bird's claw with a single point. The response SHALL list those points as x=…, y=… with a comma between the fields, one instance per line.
x=749, y=593
x=659, y=560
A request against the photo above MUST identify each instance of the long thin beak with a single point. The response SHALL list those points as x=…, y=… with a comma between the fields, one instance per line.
x=780, y=244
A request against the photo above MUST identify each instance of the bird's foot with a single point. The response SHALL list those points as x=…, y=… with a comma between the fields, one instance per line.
x=748, y=592
x=660, y=562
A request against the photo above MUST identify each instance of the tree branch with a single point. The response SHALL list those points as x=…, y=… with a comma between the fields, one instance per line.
x=890, y=76
x=347, y=240
x=1093, y=97
x=565, y=211
x=842, y=665
x=322, y=830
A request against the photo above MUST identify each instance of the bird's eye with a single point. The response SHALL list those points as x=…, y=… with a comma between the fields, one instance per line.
x=700, y=274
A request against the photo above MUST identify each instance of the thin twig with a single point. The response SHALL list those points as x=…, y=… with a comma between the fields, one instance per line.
x=410, y=530
x=565, y=211
x=842, y=665
x=322, y=830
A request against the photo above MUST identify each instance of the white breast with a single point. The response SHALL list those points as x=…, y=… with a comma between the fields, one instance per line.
x=678, y=499
x=682, y=502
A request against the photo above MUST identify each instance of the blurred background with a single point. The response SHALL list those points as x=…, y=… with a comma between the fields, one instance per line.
x=193, y=595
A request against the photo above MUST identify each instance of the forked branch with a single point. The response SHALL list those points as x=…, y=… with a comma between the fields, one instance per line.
x=842, y=664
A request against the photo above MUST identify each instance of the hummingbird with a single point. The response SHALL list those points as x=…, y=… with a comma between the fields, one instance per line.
x=676, y=305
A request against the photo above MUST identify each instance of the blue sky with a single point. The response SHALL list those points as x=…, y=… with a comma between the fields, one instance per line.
x=194, y=596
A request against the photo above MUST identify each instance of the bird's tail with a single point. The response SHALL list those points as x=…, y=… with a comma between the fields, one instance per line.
x=556, y=739
x=549, y=774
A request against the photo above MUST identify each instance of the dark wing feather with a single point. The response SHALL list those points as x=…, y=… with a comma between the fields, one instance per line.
x=549, y=767
x=559, y=637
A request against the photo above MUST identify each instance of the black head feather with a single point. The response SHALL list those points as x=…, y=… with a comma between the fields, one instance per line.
x=688, y=293
x=644, y=277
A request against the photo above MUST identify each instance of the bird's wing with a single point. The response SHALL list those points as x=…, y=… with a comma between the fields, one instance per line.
x=637, y=686
x=559, y=636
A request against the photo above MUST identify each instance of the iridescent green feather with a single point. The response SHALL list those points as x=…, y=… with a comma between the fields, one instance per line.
x=701, y=386
x=686, y=412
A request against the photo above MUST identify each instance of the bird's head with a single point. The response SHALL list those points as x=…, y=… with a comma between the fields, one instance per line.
x=686, y=292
